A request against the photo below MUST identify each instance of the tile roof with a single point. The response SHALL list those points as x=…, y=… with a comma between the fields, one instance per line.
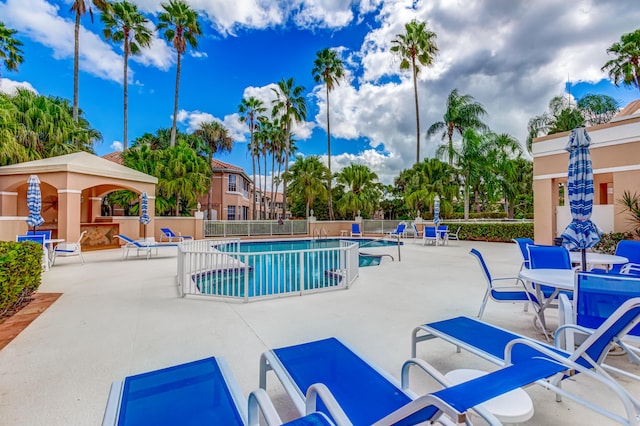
x=115, y=156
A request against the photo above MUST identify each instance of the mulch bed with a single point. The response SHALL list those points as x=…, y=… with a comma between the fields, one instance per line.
x=16, y=320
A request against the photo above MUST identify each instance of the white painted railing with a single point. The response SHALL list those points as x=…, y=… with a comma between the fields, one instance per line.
x=216, y=268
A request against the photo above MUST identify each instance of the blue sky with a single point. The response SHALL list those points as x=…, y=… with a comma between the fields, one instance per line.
x=513, y=56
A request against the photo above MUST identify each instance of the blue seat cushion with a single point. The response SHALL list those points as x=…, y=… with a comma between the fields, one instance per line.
x=188, y=394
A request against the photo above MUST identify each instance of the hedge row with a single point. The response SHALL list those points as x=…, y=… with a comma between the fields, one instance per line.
x=498, y=232
x=20, y=272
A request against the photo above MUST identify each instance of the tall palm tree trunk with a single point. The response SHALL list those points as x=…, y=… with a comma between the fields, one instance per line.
x=253, y=169
x=76, y=54
x=175, y=102
x=126, y=90
x=273, y=175
x=264, y=188
x=286, y=171
x=331, y=217
x=415, y=94
x=209, y=196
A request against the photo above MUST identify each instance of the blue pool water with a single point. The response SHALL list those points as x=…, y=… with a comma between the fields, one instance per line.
x=280, y=267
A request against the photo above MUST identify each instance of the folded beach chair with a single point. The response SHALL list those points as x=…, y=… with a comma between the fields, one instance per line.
x=171, y=236
x=355, y=230
x=196, y=393
x=368, y=396
x=144, y=246
x=503, y=347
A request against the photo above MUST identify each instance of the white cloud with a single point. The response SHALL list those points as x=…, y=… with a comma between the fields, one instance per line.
x=193, y=119
x=116, y=146
x=11, y=87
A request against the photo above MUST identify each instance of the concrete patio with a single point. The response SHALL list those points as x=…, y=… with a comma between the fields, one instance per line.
x=117, y=318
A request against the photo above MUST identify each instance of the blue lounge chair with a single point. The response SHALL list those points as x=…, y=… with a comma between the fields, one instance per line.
x=549, y=257
x=416, y=232
x=503, y=347
x=355, y=230
x=523, y=245
x=631, y=250
x=368, y=396
x=597, y=296
x=171, y=236
x=196, y=393
x=144, y=246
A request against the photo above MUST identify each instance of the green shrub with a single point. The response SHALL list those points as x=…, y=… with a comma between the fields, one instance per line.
x=608, y=242
x=499, y=232
x=20, y=271
x=481, y=215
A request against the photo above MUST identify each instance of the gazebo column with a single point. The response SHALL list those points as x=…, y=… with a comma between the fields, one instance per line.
x=95, y=208
x=544, y=210
x=69, y=201
x=8, y=203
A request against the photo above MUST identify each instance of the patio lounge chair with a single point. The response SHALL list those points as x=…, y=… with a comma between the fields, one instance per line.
x=523, y=245
x=454, y=235
x=199, y=392
x=355, y=230
x=144, y=246
x=416, y=232
x=597, y=296
x=631, y=250
x=171, y=236
x=549, y=257
x=503, y=347
x=369, y=396
x=68, y=249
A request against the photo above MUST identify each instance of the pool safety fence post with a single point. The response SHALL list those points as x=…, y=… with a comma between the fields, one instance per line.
x=301, y=275
x=246, y=274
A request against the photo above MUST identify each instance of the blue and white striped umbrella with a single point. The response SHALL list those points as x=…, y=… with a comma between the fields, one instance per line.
x=436, y=210
x=34, y=202
x=581, y=233
x=144, y=209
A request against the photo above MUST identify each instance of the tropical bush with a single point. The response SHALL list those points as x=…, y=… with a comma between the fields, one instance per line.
x=20, y=272
x=609, y=242
x=495, y=232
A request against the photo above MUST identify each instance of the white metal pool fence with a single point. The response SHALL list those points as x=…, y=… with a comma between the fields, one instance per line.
x=238, y=228
x=217, y=269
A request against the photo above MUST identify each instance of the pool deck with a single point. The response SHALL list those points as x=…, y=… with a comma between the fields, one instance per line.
x=117, y=318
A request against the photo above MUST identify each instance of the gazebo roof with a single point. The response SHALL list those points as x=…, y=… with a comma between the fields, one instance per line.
x=79, y=162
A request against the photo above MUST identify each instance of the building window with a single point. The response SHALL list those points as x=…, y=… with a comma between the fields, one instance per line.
x=245, y=213
x=232, y=183
x=231, y=213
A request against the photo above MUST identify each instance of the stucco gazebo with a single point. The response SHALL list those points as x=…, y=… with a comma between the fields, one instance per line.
x=72, y=189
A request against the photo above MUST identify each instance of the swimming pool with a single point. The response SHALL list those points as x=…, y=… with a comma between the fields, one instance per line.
x=284, y=267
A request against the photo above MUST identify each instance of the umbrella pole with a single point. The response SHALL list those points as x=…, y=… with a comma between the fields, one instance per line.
x=584, y=260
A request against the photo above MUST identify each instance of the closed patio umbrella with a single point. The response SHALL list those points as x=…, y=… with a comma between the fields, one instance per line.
x=436, y=210
x=34, y=202
x=581, y=233
x=144, y=212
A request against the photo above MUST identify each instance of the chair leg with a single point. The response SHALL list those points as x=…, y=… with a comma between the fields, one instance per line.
x=81, y=255
x=484, y=303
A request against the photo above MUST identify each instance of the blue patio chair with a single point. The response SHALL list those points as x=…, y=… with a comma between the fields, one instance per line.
x=68, y=249
x=516, y=292
x=597, y=296
x=503, y=347
x=196, y=393
x=454, y=235
x=355, y=230
x=369, y=396
x=144, y=246
x=443, y=233
x=430, y=235
x=171, y=236
x=549, y=257
x=631, y=250
x=523, y=244
x=37, y=238
x=399, y=230
x=416, y=232
x=45, y=232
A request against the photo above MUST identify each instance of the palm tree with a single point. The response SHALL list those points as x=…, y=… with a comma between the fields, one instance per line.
x=307, y=177
x=328, y=68
x=562, y=116
x=250, y=110
x=216, y=139
x=10, y=52
x=80, y=8
x=416, y=46
x=179, y=24
x=462, y=113
x=625, y=67
x=291, y=106
x=362, y=190
x=427, y=179
x=123, y=23
x=597, y=109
